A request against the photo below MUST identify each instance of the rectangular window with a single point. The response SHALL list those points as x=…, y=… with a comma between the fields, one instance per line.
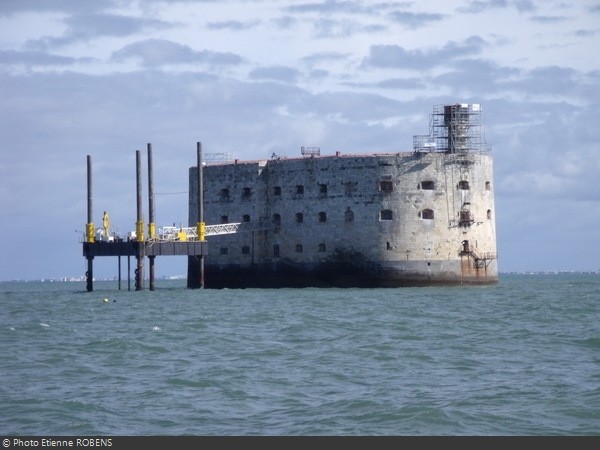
x=386, y=186
x=350, y=187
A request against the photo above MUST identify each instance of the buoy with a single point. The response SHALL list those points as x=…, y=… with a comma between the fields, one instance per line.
x=105, y=300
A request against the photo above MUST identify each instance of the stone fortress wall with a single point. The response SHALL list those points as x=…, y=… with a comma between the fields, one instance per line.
x=350, y=220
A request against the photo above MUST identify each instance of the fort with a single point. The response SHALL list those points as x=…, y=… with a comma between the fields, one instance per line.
x=420, y=217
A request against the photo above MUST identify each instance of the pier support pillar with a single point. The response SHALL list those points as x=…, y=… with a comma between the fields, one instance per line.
x=128, y=273
x=151, y=272
x=89, y=275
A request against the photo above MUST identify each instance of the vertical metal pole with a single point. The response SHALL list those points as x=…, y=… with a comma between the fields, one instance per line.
x=139, y=272
x=128, y=272
x=89, y=238
x=151, y=225
x=89, y=189
x=119, y=272
x=200, y=207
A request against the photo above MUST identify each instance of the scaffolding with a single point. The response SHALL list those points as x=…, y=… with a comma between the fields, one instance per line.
x=310, y=152
x=456, y=129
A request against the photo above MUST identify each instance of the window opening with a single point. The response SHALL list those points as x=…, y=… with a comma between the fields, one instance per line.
x=427, y=214
x=386, y=186
x=349, y=215
x=386, y=214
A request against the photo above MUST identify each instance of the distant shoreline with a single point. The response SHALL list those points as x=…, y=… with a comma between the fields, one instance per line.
x=183, y=277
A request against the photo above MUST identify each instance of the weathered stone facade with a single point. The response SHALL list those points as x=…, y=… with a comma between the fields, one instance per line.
x=374, y=220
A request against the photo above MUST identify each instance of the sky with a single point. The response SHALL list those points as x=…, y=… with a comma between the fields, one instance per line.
x=249, y=78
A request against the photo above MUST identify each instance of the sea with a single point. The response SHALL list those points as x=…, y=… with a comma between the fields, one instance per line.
x=520, y=358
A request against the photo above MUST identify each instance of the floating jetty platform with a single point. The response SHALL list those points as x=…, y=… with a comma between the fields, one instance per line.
x=145, y=242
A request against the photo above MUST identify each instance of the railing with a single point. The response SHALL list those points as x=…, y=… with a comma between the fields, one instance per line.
x=174, y=234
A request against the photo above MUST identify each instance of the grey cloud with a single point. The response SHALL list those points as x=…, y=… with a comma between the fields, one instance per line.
x=285, y=22
x=325, y=57
x=277, y=73
x=8, y=7
x=471, y=76
x=346, y=7
x=318, y=74
x=37, y=58
x=233, y=25
x=83, y=27
x=548, y=19
x=351, y=107
x=396, y=56
x=328, y=28
x=328, y=6
x=474, y=76
x=477, y=6
x=157, y=52
x=549, y=80
x=415, y=20
x=586, y=33
x=110, y=24
x=402, y=83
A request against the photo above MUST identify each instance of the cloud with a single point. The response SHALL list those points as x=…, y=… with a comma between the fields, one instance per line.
x=233, y=25
x=92, y=25
x=415, y=20
x=159, y=52
x=325, y=57
x=327, y=28
x=276, y=73
x=402, y=83
x=85, y=27
x=10, y=7
x=36, y=58
x=394, y=56
x=327, y=7
x=549, y=81
x=479, y=6
x=474, y=76
x=550, y=20
x=586, y=33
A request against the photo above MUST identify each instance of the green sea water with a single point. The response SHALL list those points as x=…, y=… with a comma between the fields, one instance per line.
x=518, y=358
